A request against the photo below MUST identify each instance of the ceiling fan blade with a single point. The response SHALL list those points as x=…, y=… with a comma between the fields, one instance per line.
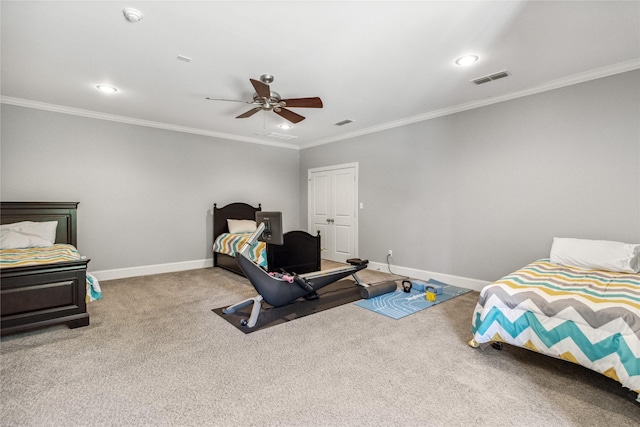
x=262, y=89
x=289, y=115
x=303, y=102
x=230, y=100
x=249, y=113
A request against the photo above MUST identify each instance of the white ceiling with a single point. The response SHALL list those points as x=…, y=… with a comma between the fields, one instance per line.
x=378, y=63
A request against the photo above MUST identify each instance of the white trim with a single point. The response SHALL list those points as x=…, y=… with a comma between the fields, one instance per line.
x=462, y=282
x=145, y=270
x=334, y=167
x=129, y=120
x=622, y=67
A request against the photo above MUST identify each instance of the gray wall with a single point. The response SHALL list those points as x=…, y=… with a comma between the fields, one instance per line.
x=144, y=193
x=475, y=194
x=480, y=193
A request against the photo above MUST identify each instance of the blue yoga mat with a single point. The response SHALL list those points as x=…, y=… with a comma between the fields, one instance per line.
x=400, y=304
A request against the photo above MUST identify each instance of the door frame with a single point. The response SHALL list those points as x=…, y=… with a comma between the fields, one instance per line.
x=353, y=166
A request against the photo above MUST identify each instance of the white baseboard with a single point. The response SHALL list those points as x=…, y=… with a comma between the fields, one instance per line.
x=145, y=270
x=462, y=282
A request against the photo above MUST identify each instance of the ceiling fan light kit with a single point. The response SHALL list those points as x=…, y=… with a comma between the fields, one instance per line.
x=267, y=100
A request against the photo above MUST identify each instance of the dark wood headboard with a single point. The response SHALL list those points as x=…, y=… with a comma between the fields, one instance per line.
x=231, y=211
x=63, y=212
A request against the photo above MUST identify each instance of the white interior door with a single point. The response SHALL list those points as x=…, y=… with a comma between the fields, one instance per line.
x=332, y=210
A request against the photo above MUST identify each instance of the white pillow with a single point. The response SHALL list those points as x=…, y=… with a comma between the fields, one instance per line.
x=241, y=225
x=596, y=254
x=28, y=234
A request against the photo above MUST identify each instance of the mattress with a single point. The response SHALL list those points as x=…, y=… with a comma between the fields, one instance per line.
x=588, y=317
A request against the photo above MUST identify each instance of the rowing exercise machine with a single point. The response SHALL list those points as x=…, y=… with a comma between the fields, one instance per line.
x=277, y=291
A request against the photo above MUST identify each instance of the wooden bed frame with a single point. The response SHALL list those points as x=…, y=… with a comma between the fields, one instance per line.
x=299, y=254
x=43, y=295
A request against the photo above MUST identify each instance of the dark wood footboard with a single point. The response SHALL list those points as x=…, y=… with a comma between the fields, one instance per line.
x=36, y=296
x=300, y=253
x=43, y=295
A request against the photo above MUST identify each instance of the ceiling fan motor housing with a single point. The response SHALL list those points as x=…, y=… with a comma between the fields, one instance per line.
x=268, y=104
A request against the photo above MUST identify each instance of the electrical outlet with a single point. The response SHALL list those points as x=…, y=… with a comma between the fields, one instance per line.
x=390, y=252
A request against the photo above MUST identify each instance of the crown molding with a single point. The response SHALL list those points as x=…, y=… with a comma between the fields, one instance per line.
x=129, y=120
x=554, y=84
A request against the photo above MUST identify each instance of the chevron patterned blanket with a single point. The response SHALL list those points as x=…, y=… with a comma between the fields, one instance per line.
x=60, y=252
x=588, y=317
x=37, y=256
x=231, y=243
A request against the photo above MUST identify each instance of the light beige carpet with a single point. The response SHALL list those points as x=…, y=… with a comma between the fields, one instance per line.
x=155, y=354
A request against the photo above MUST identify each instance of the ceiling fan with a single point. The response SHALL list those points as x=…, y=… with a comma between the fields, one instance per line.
x=266, y=100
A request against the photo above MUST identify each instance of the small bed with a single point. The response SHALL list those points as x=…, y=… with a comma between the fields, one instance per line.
x=300, y=252
x=43, y=286
x=570, y=306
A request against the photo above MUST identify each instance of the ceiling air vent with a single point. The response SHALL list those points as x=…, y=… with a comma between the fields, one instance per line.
x=490, y=77
x=343, y=122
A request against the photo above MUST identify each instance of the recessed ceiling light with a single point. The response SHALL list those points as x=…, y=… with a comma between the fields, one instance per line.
x=132, y=15
x=466, y=60
x=107, y=89
x=285, y=126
